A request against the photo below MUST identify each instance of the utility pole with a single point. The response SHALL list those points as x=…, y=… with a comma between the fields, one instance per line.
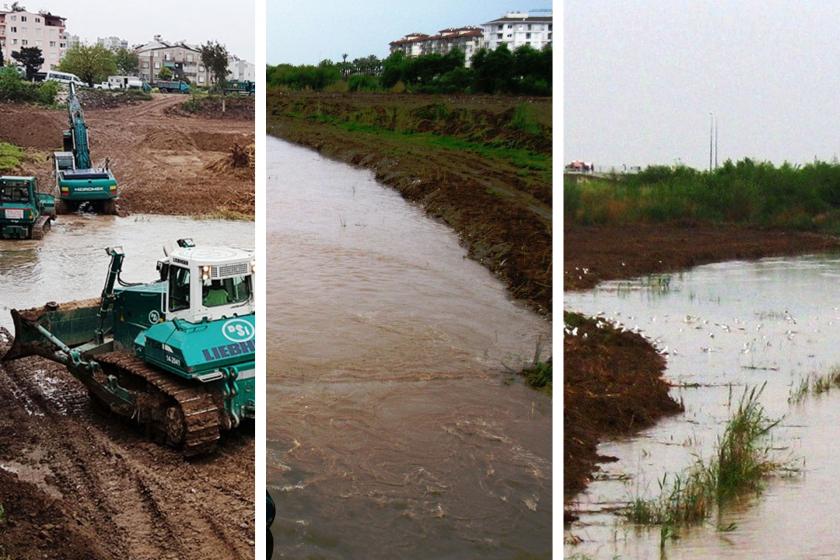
x=716, y=144
x=711, y=138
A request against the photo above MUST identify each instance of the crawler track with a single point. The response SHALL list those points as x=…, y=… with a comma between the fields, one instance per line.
x=189, y=416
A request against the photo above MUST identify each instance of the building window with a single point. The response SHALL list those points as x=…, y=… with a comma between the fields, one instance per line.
x=14, y=41
x=14, y=18
x=37, y=20
x=62, y=45
x=52, y=43
x=499, y=36
x=24, y=42
x=529, y=27
x=527, y=35
x=157, y=65
x=14, y=29
x=22, y=18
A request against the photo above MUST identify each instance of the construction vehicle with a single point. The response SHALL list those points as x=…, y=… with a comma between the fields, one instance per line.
x=77, y=180
x=241, y=87
x=25, y=213
x=172, y=86
x=175, y=355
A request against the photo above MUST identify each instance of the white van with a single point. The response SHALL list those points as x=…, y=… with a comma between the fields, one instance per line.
x=63, y=78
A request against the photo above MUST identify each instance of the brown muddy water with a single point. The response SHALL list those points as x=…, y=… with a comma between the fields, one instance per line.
x=71, y=263
x=727, y=326
x=394, y=429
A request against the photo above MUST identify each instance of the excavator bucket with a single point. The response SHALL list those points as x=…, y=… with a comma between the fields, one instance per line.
x=48, y=330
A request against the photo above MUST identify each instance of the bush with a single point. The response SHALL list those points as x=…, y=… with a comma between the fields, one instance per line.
x=47, y=92
x=362, y=83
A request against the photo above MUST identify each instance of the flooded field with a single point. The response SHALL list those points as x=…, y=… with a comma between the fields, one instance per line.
x=394, y=428
x=725, y=327
x=71, y=263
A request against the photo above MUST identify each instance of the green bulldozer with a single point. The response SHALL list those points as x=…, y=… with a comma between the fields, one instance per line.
x=25, y=213
x=175, y=355
x=77, y=180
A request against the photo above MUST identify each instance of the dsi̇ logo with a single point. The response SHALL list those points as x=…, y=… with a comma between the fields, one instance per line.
x=238, y=330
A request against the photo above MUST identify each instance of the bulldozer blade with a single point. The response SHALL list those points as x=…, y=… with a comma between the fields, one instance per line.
x=48, y=330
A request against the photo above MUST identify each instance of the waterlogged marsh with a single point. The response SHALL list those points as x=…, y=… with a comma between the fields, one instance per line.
x=727, y=326
x=394, y=430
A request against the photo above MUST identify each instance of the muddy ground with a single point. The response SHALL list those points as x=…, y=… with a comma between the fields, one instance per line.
x=163, y=161
x=612, y=381
x=76, y=483
x=594, y=254
x=500, y=207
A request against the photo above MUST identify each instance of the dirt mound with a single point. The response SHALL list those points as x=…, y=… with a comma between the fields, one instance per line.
x=106, y=99
x=167, y=140
x=218, y=141
x=612, y=385
x=32, y=127
x=236, y=108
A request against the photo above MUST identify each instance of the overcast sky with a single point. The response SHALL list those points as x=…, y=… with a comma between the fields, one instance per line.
x=642, y=77
x=195, y=21
x=308, y=32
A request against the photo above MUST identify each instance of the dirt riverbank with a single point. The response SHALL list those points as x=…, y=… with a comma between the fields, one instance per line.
x=164, y=162
x=480, y=164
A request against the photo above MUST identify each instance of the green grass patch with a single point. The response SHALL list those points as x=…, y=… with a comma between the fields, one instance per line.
x=740, y=464
x=11, y=157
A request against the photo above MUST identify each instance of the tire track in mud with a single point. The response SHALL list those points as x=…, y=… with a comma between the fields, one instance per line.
x=143, y=501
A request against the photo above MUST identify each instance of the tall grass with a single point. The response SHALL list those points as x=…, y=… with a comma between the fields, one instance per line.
x=740, y=463
x=746, y=192
x=815, y=384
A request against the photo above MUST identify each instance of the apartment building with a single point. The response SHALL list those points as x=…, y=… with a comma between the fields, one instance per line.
x=182, y=59
x=239, y=69
x=516, y=29
x=468, y=39
x=112, y=43
x=20, y=28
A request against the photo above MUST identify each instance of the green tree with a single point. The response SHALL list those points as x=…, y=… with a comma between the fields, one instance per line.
x=90, y=63
x=214, y=56
x=30, y=58
x=165, y=73
x=127, y=61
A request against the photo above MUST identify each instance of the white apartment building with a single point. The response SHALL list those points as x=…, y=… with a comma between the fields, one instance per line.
x=184, y=61
x=112, y=43
x=239, y=69
x=468, y=39
x=20, y=28
x=516, y=29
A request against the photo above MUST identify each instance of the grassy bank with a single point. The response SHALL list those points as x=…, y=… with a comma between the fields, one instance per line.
x=746, y=192
x=481, y=164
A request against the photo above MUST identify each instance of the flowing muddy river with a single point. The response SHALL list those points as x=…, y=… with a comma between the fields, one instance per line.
x=394, y=429
x=71, y=263
x=725, y=327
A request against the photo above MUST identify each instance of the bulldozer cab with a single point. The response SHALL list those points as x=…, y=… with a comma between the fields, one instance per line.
x=207, y=283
